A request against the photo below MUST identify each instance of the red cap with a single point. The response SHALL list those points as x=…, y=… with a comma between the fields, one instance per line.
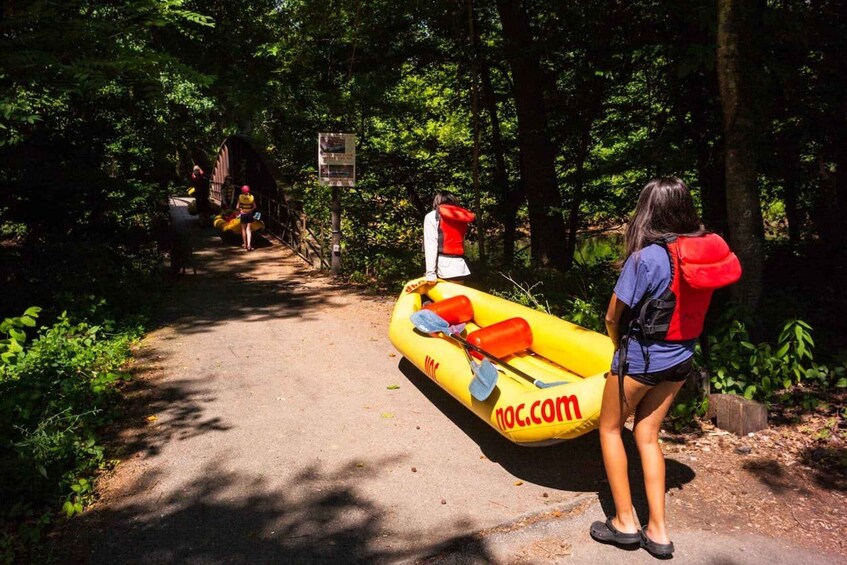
x=245, y=189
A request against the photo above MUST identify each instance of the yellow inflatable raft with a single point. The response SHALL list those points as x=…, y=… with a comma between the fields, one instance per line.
x=231, y=223
x=517, y=407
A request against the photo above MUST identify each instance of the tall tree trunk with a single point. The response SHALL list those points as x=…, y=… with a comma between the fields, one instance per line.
x=594, y=89
x=702, y=99
x=578, y=193
x=832, y=69
x=537, y=154
x=829, y=220
x=785, y=156
x=792, y=213
x=737, y=26
x=840, y=241
x=475, y=116
x=510, y=199
x=833, y=193
x=696, y=105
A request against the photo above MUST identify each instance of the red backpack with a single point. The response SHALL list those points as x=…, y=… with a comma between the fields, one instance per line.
x=699, y=266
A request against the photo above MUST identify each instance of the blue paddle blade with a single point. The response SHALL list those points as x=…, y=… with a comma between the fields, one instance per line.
x=429, y=322
x=485, y=378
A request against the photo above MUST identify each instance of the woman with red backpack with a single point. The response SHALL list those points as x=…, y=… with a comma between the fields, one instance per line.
x=670, y=269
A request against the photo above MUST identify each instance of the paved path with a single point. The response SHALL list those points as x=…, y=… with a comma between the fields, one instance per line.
x=265, y=428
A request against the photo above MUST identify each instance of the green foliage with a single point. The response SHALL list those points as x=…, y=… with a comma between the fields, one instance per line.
x=585, y=313
x=12, y=230
x=524, y=294
x=15, y=331
x=83, y=493
x=686, y=411
x=55, y=392
x=592, y=288
x=579, y=296
x=759, y=371
x=603, y=248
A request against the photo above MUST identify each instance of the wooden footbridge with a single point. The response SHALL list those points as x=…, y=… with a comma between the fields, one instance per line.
x=239, y=162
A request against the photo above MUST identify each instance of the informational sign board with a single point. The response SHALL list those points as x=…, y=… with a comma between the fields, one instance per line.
x=337, y=159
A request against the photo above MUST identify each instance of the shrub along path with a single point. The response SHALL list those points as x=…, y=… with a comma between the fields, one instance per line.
x=272, y=421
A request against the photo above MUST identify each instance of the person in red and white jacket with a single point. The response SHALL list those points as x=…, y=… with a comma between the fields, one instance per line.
x=445, y=228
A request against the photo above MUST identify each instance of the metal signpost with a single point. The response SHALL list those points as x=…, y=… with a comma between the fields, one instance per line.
x=336, y=168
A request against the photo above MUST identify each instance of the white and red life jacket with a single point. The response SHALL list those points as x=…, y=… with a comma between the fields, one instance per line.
x=699, y=266
x=452, y=226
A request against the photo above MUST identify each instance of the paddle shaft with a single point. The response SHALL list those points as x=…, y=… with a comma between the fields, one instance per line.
x=497, y=360
x=470, y=361
x=429, y=323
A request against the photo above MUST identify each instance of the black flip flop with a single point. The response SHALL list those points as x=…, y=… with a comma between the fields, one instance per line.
x=657, y=550
x=608, y=533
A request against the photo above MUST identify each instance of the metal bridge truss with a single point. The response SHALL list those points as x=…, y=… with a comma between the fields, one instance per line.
x=284, y=219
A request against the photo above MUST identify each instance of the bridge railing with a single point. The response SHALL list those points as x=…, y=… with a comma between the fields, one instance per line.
x=289, y=225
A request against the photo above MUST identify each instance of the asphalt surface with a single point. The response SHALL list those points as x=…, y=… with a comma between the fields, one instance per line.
x=272, y=422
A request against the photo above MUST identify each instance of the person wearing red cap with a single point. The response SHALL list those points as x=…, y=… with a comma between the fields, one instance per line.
x=246, y=207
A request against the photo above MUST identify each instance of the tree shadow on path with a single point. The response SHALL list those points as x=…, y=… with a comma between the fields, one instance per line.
x=156, y=411
x=233, y=284
x=320, y=518
x=574, y=465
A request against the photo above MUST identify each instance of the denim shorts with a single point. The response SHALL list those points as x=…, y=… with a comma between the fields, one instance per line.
x=246, y=218
x=675, y=374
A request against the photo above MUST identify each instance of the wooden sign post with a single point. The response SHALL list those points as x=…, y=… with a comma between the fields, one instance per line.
x=336, y=168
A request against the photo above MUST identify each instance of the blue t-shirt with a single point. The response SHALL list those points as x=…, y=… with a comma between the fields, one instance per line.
x=648, y=273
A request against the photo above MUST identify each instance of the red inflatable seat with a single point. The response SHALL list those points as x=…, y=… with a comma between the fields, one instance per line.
x=456, y=310
x=503, y=338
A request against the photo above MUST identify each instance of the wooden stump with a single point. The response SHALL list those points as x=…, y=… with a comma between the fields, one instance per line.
x=736, y=414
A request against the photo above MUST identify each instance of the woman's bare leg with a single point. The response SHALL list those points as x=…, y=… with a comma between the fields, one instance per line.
x=244, y=236
x=249, y=236
x=649, y=415
x=612, y=420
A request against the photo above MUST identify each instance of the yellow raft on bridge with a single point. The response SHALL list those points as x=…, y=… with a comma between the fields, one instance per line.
x=548, y=350
x=231, y=223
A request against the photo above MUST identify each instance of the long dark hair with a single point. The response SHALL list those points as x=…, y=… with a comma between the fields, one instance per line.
x=443, y=197
x=665, y=208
